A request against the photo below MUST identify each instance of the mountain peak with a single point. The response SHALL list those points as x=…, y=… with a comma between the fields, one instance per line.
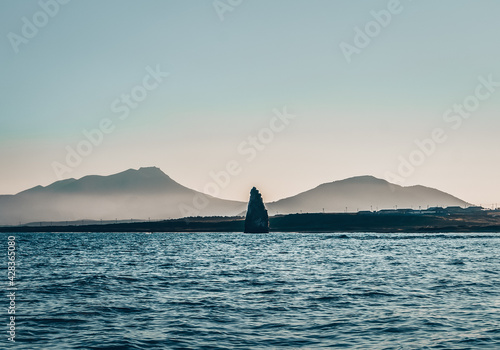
x=364, y=179
x=145, y=179
x=150, y=172
x=150, y=169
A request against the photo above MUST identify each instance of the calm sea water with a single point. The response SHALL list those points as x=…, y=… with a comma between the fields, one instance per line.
x=235, y=291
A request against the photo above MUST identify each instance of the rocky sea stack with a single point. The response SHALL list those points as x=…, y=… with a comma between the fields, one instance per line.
x=257, y=220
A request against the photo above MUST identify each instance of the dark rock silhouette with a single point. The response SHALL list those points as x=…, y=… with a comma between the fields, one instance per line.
x=257, y=219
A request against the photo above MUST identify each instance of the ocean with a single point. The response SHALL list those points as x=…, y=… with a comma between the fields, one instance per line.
x=237, y=291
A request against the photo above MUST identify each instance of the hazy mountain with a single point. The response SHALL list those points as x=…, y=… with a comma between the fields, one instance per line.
x=138, y=194
x=362, y=193
x=150, y=193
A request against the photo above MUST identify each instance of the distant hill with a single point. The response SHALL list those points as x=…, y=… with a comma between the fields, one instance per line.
x=362, y=193
x=150, y=193
x=138, y=194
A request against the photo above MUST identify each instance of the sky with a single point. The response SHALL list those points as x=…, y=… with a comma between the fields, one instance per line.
x=284, y=95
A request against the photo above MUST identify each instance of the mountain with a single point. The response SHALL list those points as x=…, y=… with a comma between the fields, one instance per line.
x=362, y=193
x=138, y=194
x=150, y=193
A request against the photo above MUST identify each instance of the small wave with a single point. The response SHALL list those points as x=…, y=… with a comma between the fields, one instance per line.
x=327, y=326
x=327, y=298
x=372, y=294
x=457, y=262
x=60, y=320
x=399, y=329
x=341, y=236
x=270, y=291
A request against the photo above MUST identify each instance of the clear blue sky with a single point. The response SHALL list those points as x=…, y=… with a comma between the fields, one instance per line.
x=226, y=77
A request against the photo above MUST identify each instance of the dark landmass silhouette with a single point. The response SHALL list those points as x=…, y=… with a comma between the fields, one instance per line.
x=257, y=219
x=150, y=193
x=483, y=221
x=363, y=193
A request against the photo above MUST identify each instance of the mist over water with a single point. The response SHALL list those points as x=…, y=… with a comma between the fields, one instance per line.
x=277, y=291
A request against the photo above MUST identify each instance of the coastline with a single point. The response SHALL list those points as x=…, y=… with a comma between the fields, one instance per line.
x=300, y=223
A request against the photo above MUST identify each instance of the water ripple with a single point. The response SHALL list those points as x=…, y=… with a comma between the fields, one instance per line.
x=278, y=291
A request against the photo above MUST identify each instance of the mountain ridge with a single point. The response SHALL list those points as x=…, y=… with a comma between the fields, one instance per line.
x=363, y=193
x=142, y=194
x=150, y=193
